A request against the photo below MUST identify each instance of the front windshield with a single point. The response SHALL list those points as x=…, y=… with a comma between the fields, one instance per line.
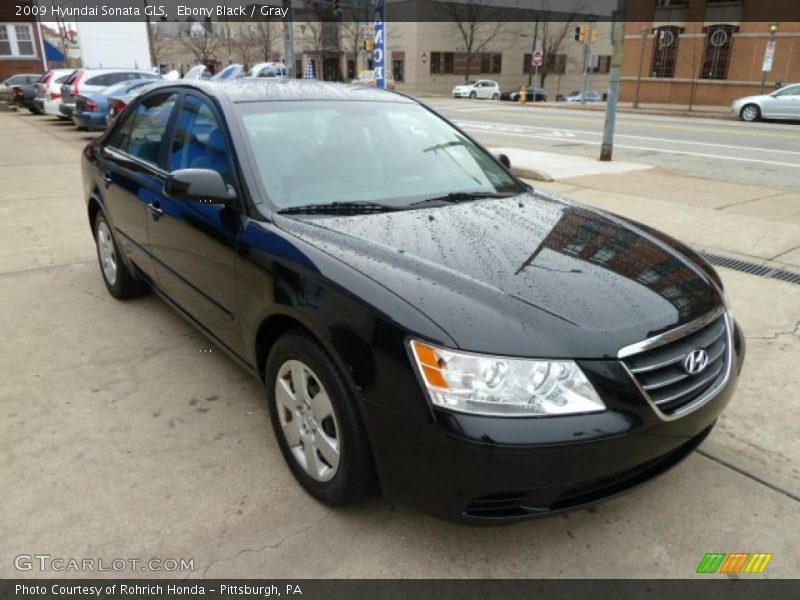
x=311, y=153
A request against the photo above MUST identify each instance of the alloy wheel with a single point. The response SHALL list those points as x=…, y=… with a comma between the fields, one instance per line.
x=749, y=113
x=307, y=420
x=108, y=257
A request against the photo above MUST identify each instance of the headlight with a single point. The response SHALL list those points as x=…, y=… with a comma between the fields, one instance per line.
x=493, y=385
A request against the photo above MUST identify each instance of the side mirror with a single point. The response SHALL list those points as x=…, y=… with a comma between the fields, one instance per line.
x=199, y=185
x=504, y=160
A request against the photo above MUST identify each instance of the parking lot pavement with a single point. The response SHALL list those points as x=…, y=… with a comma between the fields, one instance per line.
x=124, y=436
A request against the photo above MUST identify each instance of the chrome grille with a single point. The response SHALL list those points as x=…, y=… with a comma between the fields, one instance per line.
x=657, y=365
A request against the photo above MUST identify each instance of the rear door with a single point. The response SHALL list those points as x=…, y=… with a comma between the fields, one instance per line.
x=132, y=173
x=194, y=243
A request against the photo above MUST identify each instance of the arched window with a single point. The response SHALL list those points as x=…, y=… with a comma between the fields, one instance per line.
x=719, y=44
x=665, y=51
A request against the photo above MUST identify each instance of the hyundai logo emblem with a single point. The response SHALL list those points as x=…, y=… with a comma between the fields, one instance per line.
x=695, y=362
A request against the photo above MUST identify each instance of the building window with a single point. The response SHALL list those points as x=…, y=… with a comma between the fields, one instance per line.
x=398, y=70
x=497, y=63
x=436, y=63
x=602, y=64
x=298, y=68
x=553, y=63
x=719, y=43
x=16, y=40
x=671, y=3
x=665, y=51
x=486, y=63
x=449, y=63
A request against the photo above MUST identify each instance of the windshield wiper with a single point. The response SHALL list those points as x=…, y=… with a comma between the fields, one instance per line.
x=456, y=197
x=344, y=208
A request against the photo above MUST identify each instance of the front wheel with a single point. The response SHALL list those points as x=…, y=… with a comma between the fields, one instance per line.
x=316, y=421
x=472, y=95
x=750, y=112
x=496, y=97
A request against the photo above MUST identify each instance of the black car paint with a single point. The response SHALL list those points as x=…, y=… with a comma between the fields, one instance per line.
x=455, y=276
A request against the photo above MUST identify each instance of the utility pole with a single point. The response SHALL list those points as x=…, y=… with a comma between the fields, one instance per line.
x=533, y=51
x=288, y=39
x=618, y=38
x=639, y=74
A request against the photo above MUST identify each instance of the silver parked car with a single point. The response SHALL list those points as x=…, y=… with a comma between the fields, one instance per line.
x=780, y=104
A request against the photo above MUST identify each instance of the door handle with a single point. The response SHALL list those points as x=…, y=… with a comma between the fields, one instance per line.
x=107, y=178
x=155, y=208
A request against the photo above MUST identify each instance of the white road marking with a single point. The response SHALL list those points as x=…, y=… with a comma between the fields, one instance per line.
x=522, y=128
x=649, y=149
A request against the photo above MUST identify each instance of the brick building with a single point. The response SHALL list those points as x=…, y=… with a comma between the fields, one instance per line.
x=20, y=46
x=707, y=52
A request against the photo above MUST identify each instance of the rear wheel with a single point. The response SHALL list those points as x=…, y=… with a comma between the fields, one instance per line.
x=750, y=112
x=120, y=282
x=316, y=421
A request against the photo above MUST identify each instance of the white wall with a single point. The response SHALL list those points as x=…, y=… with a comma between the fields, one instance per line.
x=114, y=45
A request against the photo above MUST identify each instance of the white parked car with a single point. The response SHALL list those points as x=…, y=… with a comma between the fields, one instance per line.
x=482, y=88
x=780, y=104
x=368, y=78
x=48, y=91
x=269, y=70
x=577, y=95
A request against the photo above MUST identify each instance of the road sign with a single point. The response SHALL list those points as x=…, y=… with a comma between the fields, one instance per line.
x=537, y=58
x=423, y=58
x=769, y=55
x=380, y=57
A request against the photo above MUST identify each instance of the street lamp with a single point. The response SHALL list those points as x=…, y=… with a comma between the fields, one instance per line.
x=773, y=29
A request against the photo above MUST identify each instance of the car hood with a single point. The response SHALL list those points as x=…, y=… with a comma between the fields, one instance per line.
x=532, y=275
x=462, y=88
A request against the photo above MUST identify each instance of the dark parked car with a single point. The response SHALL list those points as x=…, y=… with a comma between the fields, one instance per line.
x=91, y=111
x=8, y=84
x=24, y=96
x=419, y=316
x=533, y=95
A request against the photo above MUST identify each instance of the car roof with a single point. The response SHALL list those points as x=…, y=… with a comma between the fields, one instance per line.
x=266, y=90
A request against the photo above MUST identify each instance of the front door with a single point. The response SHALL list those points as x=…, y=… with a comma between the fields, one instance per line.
x=132, y=177
x=194, y=243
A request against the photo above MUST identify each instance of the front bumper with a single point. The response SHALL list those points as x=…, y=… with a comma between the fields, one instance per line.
x=474, y=469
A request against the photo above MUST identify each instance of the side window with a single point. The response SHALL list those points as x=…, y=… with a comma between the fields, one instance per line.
x=198, y=141
x=148, y=125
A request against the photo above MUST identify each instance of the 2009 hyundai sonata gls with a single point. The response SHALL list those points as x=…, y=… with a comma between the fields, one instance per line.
x=420, y=318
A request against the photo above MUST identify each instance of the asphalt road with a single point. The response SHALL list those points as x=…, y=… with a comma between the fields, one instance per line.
x=764, y=153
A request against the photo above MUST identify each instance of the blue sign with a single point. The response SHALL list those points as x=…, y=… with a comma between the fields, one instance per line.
x=380, y=45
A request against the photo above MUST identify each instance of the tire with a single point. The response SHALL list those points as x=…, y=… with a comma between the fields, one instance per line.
x=306, y=435
x=472, y=95
x=496, y=97
x=35, y=111
x=120, y=282
x=750, y=113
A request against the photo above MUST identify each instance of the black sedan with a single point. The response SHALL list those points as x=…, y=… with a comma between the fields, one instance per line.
x=420, y=318
x=24, y=96
x=532, y=95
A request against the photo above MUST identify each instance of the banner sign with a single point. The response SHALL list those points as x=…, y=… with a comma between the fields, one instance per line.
x=380, y=45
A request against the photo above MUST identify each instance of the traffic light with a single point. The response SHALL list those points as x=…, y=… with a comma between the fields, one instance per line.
x=577, y=34
x=337, y=9
x=582, y=34
x=594, y=35
x=370, y=45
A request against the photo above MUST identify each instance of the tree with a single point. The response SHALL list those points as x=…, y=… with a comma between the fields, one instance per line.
x=265, y=34
x=478, y=22
x=354, y=30
x=554, y=28
x=201, y=39
x=159, y=42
